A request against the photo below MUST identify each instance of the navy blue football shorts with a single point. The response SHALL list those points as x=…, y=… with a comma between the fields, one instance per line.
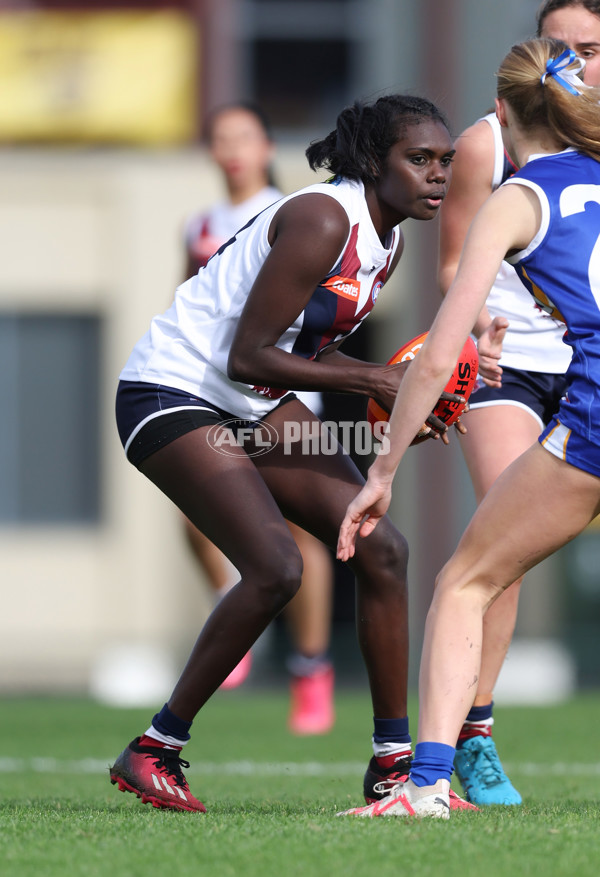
x=539, y=393
x=150, y=416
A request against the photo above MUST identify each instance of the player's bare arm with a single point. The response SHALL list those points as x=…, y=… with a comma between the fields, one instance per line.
x=308, y=235
x=472, y=174
x=492, y=232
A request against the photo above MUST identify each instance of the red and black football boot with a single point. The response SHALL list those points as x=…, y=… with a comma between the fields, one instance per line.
x=154, y=774
x=379, y=781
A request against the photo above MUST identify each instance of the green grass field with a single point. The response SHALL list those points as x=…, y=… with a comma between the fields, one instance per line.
x=272, y=798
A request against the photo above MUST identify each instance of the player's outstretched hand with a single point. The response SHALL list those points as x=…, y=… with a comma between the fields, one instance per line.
x=489, y=347
x=362, y=515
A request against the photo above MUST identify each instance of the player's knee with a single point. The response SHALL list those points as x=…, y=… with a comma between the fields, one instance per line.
x=289, y=577
x=467, y=583
x=384, y=554
x=392, y=551
x=280, y=578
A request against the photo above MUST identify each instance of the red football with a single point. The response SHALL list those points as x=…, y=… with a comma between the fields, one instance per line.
x=462, y=381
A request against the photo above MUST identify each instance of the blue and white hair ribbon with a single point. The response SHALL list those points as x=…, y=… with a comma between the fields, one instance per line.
x=569, y=79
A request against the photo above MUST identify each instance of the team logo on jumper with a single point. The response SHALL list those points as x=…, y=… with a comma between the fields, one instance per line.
x=542, y=300
x=376, y=290
x=254, y=437
x=347, y=287
x=269, y=392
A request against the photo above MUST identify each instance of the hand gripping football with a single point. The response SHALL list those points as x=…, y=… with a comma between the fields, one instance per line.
x=461, y=382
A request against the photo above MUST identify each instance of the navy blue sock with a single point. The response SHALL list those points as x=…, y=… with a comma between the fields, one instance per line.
x=391, y=730
x=432, y=762
x=480, y=713
x=171, y=725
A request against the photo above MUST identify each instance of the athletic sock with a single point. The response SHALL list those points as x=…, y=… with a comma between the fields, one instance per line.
x=391, y=741
x=147, y=740
x=432, y=762
x=169, y=729
x=478, y=723
x=300, y=665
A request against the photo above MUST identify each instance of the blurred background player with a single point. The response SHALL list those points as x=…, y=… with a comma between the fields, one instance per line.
x=503, y=421
x=241, y=145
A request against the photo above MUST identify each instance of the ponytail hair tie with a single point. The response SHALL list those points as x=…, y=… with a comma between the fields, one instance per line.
x=568, y=79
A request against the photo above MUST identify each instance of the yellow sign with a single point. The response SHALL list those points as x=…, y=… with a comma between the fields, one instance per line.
x=101, y=77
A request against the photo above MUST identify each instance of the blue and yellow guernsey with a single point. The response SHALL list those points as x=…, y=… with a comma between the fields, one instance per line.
x=533, y=340
x=561, y=270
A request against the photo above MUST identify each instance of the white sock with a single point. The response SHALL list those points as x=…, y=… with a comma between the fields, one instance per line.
x=382, y=750
x=168, y=741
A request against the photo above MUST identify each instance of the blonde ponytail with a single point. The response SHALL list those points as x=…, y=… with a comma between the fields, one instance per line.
x=538, y=80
